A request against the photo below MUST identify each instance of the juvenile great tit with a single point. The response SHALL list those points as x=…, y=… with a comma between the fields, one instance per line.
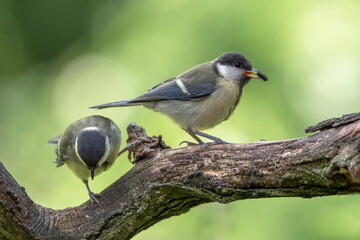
x=201, y=97
x=88, y=147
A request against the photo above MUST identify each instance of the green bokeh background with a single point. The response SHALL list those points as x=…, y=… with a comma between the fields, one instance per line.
x=59, y=57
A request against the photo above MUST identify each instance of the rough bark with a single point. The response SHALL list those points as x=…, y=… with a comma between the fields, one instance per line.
x=167, y=182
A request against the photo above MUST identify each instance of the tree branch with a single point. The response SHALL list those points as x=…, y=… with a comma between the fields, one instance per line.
x=167, y=182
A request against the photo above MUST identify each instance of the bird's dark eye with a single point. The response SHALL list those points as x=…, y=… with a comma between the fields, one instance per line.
x=237, y=64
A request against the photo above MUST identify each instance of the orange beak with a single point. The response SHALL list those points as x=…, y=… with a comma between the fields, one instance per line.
x=249, y=74
x=258, y=75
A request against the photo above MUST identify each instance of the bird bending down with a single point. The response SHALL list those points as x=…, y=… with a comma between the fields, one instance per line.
x=201, y=97
x=88, y=147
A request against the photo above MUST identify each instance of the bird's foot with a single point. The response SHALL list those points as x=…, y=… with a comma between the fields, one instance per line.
x=189, y=143
x=205, y=145
x=94, y=198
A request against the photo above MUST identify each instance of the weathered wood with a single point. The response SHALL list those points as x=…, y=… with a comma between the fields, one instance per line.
x=167, y=182
x=333, y=122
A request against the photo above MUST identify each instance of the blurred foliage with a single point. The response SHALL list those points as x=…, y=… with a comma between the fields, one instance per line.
x=59, y=57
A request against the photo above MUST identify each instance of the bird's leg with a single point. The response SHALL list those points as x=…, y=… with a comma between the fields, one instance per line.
x=215, y=139
x=195, y=137
x=200, y=142
x=93, y=196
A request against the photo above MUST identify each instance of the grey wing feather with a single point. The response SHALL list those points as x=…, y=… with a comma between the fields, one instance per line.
x=168, y=90
x=55, y=140
x=169, y=80
x=198, y=84
x=58, y=162
x=61, y=159
x=124, y=103
x=172, y=91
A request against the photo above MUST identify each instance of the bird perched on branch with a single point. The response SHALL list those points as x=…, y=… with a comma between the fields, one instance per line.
x=201, y=97
x=88, y=147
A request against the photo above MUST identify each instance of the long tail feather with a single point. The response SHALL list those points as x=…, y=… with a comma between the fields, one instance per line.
x=116, y=104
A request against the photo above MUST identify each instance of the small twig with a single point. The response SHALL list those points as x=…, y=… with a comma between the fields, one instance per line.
x=140, y=144
x=334, y=122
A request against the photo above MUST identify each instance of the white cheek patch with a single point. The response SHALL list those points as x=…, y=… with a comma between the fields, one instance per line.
x=229, y=72
x=77, y=153
x=181, y=85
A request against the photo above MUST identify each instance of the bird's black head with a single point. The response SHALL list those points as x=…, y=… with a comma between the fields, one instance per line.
x=92, y=147
x=234, y=59
x=236, y=67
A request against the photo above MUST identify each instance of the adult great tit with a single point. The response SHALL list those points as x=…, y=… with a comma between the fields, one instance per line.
x=88, y=147
x=201, y=97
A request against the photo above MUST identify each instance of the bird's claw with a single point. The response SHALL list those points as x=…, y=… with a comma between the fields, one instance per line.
x=94, y=198
x=189, y=143
x=205, y=145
